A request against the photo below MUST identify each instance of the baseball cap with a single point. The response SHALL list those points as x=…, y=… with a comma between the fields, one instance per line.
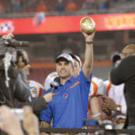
x=64, y=56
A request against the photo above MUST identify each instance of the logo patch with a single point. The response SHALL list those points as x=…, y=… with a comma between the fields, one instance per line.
x=65, y=95
x=75, y=84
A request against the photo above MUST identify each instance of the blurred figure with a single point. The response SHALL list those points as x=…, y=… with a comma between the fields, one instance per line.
x=104, y=5
x=41, y=6
x=71, y=6
x=116, y=92
x=101, y=107
x=39, y=18
x=113, y=93
x=125, y=73
x=36, y=101
x=89, y=5
x=60, y=6
x=2, y=7
x=22, y=64
x=16, y=5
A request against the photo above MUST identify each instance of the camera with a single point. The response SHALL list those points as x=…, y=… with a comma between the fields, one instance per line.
x=19, y=113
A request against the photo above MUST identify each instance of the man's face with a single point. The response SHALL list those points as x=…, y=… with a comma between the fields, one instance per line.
x=64, y=69
x=23, y=66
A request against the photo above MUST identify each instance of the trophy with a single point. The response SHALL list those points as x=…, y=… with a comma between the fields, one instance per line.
x=87, y=25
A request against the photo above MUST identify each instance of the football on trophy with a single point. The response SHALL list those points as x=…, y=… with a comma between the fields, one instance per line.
x=87, y=25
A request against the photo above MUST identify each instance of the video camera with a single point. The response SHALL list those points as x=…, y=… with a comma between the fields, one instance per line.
x=8, y=47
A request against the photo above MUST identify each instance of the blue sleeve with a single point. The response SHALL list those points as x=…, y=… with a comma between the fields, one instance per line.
x=46, y=114
x=84, y=89
x=84, y=82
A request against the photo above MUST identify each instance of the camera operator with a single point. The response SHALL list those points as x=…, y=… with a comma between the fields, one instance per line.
x=12, y=85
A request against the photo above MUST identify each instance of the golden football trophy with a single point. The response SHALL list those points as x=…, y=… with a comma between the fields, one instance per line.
x=87, y=25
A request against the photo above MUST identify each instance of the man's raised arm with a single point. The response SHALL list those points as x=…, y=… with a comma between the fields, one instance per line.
x=88, y=55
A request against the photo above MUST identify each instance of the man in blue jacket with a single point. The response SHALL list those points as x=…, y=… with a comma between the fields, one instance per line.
x=69, y=106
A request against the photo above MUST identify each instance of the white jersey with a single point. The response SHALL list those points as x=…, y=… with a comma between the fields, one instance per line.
x=97, y=87
x=108, y=85
x=116, y=92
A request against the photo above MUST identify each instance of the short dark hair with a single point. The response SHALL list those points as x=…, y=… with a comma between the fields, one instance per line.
x=115, y=58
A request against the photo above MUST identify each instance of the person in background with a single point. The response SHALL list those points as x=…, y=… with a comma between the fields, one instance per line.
x=88, y=5
x=125, y=73
x=60, y=6
x=116, y=93
x=71, y=6
x=41, y=6
x=22, y=65
x=101, y=105
x=112, y=90
x=71, y=96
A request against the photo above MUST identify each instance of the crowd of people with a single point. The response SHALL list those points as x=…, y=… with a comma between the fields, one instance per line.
x=24, y=6
x=71, y=97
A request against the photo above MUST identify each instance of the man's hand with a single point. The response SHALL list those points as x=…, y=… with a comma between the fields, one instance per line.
x=88, y=37
x=49, y=96
x=9, y=123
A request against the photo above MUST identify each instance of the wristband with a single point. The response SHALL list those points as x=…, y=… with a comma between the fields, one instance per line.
x=89, y=42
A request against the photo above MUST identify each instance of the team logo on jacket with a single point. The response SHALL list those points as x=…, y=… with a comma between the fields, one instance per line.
x=74, y=85
x=65, y=95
